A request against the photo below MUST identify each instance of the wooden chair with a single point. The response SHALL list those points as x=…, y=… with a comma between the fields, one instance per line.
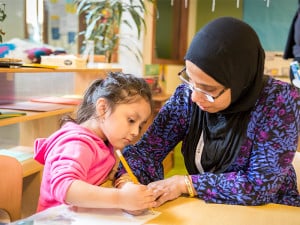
x=11, y=182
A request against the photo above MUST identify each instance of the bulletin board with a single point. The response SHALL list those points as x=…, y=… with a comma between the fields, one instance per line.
x=208, y=10
x=271, y=23
x=63, y=24
x=271, y=19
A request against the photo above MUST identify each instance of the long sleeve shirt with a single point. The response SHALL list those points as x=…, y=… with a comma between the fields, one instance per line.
x=262, y=171
x=71, y=153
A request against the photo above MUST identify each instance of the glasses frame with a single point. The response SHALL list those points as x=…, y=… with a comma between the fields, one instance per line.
x=192, y=87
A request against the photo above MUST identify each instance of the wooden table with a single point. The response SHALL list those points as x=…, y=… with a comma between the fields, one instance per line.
x=193, y=211
x=182, y=211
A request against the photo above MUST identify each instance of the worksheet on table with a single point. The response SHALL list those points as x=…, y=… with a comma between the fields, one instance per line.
x=66, y=215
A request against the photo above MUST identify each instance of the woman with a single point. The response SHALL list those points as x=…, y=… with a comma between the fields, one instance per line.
x=239, y=128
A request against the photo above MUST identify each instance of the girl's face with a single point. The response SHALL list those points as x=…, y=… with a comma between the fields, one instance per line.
x=207, y=84
x=124, y=124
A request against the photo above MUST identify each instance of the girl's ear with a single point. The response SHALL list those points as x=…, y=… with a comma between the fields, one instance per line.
x=101, y=106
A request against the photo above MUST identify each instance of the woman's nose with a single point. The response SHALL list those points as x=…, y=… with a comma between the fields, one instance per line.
x=198, y=97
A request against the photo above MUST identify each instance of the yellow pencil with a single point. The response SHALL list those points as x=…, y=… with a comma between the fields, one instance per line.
x=128, y=170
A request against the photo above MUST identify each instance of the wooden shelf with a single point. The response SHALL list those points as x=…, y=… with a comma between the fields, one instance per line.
x=30, y=166
x=63, y=70
x=30, y=115
x=36, y=124
x=161, y=98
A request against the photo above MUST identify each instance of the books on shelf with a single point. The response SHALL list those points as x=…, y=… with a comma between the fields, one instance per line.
x=67, y=100
x=32, y=106
x=9, y=114
x=21, y=153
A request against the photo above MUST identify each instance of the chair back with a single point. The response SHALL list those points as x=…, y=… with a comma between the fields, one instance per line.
x=11, y=182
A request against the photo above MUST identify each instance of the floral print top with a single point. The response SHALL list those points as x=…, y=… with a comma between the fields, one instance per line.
x=261, y=173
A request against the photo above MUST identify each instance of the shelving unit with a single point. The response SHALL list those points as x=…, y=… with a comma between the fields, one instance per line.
x=33, y=125
x=30, y=115
x=38, y=124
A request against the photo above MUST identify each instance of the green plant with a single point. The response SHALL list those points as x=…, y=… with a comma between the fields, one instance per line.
x=103, y=19
x=2, y=18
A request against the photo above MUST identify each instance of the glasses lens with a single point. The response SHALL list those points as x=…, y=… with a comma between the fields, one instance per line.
x=209, y=98
x=184, y=76
x=186, y=80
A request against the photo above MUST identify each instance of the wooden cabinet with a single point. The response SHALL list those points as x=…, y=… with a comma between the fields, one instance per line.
x=21, y=84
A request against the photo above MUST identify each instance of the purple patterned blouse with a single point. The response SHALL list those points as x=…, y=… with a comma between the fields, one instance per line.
x=261, y=173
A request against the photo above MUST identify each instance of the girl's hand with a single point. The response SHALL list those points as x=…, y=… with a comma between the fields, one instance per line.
x=136, y=197
x=169, y=189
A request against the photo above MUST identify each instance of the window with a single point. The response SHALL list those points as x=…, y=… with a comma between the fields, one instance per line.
x=35, y=20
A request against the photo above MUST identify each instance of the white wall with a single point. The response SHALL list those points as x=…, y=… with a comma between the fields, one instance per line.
x=127, y=60
x=13, y=25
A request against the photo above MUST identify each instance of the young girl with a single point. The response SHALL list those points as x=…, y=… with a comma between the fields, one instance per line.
x=80, y=156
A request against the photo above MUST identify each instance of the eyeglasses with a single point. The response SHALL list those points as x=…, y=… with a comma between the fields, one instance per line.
x=186, y=80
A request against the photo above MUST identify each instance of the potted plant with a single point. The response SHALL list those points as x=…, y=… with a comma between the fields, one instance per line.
x=103, y=19
x=2, y=18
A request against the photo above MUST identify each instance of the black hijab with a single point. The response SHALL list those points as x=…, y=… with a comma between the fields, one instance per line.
x=228, y=50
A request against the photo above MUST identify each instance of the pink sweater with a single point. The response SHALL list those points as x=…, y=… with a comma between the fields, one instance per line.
x=71, y=153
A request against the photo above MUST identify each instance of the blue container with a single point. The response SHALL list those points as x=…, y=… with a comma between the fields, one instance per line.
x=295, y=69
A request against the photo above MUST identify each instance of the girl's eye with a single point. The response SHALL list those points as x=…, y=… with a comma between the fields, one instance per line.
x=131, y=120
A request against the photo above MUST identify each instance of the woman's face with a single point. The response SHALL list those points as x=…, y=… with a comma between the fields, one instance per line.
x=207, y=84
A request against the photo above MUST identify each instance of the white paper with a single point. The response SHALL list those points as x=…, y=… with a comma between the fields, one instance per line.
x=66, y=215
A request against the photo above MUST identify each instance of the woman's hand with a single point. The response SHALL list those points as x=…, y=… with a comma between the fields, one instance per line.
x=169, y=189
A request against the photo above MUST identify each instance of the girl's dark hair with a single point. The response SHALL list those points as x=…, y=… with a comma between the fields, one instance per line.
x=116, y=88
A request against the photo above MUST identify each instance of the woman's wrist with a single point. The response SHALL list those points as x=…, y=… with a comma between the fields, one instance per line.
x=189, y=186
